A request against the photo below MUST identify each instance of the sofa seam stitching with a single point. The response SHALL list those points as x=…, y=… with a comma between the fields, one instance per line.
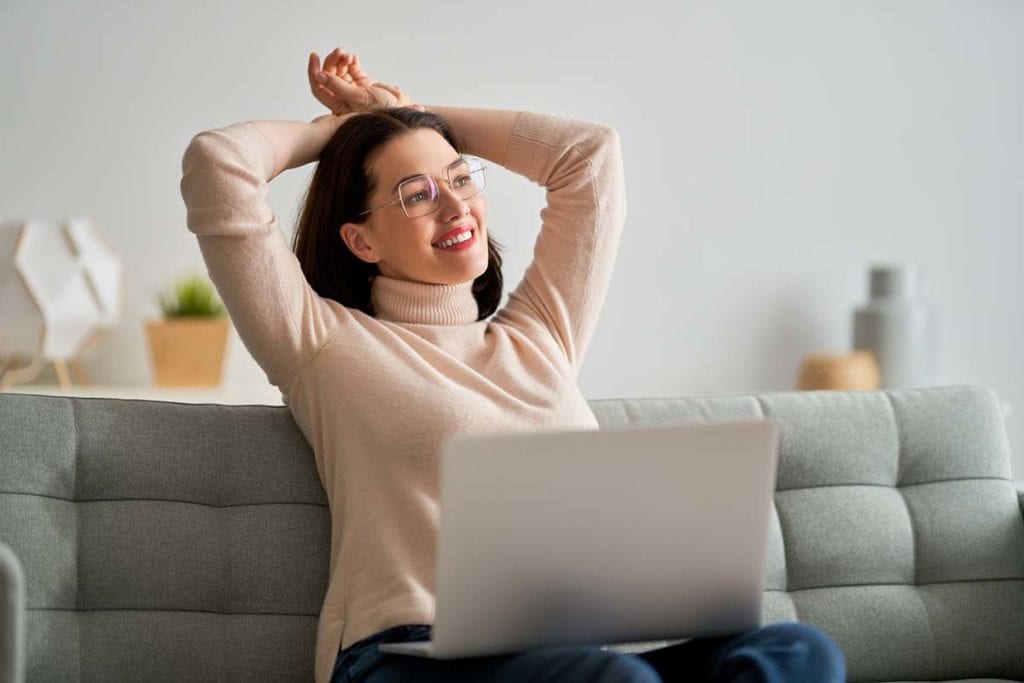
x=909, y=585
x=78, y=544
x=312, y=615
x=887, y=486
x=156, y=500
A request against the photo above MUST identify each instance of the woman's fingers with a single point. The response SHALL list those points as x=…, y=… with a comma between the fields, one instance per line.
x=400, y=98
x=343, y=92
x=342, y=69
x=342, y=86
x=393, y=89
x=312, y=69
x=322, y=94
x=332, y=59
x=360, y=76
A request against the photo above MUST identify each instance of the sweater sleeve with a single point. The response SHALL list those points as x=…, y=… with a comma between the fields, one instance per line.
x=281, y=320
x=563, y=289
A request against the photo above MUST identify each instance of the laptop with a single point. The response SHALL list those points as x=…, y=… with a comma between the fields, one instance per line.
x=618, y=535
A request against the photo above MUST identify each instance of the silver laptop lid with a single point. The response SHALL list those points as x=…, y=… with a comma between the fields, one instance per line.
x=612, y=535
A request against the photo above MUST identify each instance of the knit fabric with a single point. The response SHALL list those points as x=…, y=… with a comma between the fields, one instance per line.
x=377, y=396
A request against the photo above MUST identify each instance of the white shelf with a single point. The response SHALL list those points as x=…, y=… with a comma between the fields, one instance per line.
x=254, y=394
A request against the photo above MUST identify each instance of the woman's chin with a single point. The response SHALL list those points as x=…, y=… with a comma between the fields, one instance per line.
x=467, y=272
x=467, y=276
x=450, y=276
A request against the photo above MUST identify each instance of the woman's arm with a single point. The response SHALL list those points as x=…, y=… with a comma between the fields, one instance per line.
x=563, y=290
x=225, y=175
x=487, y=132
x=297, y=143
x=580, y=166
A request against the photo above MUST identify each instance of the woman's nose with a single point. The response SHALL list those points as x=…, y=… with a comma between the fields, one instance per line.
x=452, y=205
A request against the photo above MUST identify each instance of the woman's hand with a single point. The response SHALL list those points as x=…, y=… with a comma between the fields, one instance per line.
x=343, y=87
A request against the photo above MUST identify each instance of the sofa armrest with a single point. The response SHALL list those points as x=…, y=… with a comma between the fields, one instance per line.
x=12, y=617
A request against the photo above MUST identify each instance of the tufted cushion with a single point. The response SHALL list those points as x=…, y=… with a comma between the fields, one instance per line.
x=163, y=541
x=897, y=527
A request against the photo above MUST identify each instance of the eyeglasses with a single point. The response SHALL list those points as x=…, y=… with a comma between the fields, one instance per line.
x=420, y=195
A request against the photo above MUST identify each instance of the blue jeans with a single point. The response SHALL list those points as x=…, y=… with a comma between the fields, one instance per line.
x=788, y=652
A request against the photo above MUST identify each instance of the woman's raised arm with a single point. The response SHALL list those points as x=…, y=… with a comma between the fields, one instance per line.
x=486, y=132
x=297, y=143
x=580, y=165
x=282, y=321
x=562, y=292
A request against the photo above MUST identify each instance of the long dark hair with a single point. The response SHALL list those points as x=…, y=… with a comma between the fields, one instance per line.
x=338, y=193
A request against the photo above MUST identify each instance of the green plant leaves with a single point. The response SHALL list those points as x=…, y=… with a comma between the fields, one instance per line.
x=192, y=296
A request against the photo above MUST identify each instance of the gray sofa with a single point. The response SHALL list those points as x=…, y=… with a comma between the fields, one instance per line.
x=144, y=540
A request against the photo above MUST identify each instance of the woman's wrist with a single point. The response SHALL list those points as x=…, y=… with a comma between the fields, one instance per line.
x=486, y=132
x=297, y=143
x=322, y=130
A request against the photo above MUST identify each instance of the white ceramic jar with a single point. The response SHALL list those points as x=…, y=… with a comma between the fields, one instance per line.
x=899, y=328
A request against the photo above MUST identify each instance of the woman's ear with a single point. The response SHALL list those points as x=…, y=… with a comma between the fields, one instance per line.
x=352, y=235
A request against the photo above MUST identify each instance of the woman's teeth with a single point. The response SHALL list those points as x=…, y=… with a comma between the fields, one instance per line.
x=461, y=237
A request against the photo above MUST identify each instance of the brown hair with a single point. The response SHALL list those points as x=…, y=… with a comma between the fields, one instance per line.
x=339, y=191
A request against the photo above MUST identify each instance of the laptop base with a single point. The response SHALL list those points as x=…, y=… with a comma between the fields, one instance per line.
x=420, y=648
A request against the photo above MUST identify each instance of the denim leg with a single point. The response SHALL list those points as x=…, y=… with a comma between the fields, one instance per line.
x=789, y=652
x=564, y=664
x=561, y=664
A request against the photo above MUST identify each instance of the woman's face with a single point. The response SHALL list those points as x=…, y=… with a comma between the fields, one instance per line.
x=410, y=249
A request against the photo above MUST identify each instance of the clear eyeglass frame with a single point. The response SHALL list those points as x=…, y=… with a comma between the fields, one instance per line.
x=477, y=169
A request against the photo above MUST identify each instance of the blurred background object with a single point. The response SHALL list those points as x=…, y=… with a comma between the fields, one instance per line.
x=60, y=298
x=187, y=346
x=856, y=371
x=900, y=329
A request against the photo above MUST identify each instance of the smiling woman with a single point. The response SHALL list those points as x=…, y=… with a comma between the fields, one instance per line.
x=376, y=336
x=390, y=191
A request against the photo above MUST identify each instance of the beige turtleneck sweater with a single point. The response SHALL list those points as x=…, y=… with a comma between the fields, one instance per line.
x=376, y=397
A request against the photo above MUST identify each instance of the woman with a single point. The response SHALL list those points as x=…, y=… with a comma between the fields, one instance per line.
x=377, y=336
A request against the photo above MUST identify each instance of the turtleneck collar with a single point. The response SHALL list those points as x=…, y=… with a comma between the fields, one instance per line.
x=401, y=301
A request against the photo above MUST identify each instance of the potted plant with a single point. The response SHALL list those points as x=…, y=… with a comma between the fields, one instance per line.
x=187, y=346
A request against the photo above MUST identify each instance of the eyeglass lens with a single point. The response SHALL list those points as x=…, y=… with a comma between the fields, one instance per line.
x=421, y=196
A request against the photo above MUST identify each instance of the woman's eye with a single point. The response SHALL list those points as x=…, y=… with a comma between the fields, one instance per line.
x=462, y=181
x=416, y=198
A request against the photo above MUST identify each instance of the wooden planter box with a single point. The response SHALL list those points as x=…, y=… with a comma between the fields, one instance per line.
x=187, y=352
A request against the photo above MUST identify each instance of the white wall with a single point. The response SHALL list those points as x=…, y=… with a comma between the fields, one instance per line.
x=773, y=151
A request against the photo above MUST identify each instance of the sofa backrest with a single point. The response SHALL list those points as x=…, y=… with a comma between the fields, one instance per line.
x=165, y=541
x=897, y=527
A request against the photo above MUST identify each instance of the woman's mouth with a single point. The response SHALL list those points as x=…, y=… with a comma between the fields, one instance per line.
x=457, y=241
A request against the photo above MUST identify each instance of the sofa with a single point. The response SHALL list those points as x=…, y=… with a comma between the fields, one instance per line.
x=158, y=541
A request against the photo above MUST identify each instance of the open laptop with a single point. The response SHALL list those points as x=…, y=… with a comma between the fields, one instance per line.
x=616, y=535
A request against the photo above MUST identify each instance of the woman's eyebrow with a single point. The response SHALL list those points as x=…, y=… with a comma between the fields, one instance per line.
x=417, y=175
x=408, y=177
